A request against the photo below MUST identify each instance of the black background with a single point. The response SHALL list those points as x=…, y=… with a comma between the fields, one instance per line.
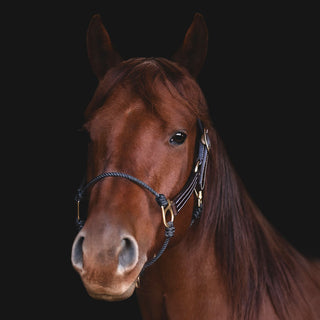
x=260, y=83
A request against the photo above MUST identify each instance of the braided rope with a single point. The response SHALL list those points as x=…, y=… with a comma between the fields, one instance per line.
x=169, y=232
x=160, y=198
x=81, y=190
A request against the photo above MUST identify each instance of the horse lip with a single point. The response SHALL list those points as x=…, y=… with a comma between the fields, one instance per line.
x=99, y=292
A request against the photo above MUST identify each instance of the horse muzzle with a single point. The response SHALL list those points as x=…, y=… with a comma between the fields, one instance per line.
x=108, y=272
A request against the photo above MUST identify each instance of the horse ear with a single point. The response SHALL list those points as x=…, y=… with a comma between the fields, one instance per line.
x=193, y=52
x=101, y=54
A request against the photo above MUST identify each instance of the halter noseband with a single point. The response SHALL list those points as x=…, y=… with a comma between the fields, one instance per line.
x=195, y=183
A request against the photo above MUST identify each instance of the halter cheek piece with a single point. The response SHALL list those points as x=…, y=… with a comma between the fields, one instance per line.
x=169, y=209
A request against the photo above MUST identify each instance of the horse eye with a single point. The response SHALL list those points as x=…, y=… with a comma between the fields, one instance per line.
x=178, y=138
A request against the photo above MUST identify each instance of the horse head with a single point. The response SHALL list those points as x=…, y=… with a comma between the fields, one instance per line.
x=142, y=121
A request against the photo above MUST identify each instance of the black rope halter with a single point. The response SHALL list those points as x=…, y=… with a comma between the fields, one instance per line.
x=195, y=183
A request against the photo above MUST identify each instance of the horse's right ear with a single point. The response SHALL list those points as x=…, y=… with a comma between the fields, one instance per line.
x=101, y=54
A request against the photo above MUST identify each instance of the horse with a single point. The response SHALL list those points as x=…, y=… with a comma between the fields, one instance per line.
x=168, y=216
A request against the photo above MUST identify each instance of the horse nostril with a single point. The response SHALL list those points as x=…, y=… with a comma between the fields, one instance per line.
x=77, y=253
x=128, y=256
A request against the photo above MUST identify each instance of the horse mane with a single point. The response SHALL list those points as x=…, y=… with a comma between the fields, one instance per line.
x=253, y=260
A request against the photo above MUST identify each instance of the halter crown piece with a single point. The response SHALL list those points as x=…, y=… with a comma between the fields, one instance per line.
x=169, y=209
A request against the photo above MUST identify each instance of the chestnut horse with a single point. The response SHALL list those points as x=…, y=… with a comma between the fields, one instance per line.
x=157, y=171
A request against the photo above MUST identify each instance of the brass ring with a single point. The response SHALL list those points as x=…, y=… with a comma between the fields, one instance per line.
x=164, y=213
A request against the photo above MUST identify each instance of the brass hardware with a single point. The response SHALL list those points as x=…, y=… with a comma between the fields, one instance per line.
x=164, y=213
x=138, y=282
x=204, y=139
x=197, y=166
x=78, y=210
x=199, y=196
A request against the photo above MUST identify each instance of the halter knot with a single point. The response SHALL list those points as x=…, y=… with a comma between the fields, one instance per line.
x=196, y=214
x=78, y=195
x=162, y=200
x=79, y=224
x=169, y=231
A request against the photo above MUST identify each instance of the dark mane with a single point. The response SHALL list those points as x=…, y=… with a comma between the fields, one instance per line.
x=252, y=258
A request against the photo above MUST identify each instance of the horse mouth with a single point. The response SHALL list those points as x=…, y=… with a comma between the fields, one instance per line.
x=104, y=293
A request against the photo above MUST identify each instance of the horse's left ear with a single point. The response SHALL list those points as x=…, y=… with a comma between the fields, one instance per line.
x=193, y=52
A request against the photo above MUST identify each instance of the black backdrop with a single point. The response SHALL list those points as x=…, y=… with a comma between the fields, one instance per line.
x=259, y=81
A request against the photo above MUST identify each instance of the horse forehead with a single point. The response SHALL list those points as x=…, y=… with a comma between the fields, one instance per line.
x=117, y=120
x=124, y=110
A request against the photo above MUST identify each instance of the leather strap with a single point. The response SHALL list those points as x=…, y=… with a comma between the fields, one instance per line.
x=197, y=179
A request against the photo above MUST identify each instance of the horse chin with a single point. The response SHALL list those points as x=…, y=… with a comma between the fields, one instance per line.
x=112, y=297
x=102, y=293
